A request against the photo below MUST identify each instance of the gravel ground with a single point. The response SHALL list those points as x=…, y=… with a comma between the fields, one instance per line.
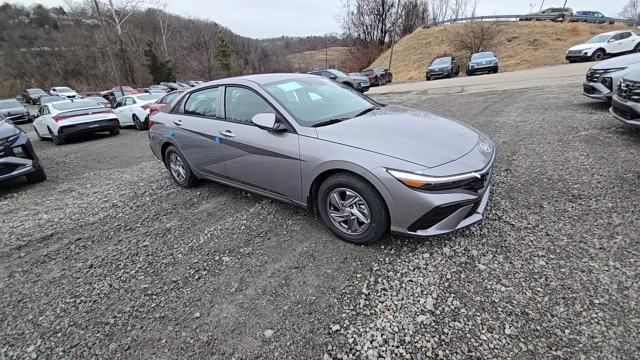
x=109, y=259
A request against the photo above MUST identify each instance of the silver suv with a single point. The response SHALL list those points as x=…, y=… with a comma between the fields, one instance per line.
x=625, y=105
x=358, y=82
x=364, y=167
x=602, y=78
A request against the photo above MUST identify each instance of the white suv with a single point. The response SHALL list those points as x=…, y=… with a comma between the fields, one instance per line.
x=609, y=43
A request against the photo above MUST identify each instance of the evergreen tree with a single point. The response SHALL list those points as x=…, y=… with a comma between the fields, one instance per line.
x=223, y=54
x=160, y=70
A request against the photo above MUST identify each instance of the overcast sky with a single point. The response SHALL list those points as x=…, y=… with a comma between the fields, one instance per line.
x=270, y=18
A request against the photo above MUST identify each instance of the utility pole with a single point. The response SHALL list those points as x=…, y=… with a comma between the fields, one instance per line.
x=393, y=33
x=104, y=33
x=541, y=5
x=564, y=7
x=326, y=54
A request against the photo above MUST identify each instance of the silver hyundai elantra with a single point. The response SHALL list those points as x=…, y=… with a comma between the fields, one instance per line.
x=364, y=167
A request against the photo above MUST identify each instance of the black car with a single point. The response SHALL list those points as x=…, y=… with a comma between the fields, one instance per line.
x=17, y=157
x=446, y=66
x=13, y=110
x=31, y=96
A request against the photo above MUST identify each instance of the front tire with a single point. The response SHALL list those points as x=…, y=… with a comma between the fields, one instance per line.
x=352, y=209
x=598, y=55
x=179, y=169
x=114, y=132
x=137, y=123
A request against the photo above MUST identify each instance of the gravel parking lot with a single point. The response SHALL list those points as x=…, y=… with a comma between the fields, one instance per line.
x=110, y=259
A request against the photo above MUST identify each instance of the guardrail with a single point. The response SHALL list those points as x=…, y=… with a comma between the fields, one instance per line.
x=506, y=18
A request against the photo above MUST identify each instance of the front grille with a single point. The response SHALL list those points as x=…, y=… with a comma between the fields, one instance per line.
x=588, y=89
x=624, y=112
x=629, y=90
x=6, y=169
x=574, y=52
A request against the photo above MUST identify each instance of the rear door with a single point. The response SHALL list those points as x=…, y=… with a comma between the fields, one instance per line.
x=615, y=44
x=40, y=123
x=196, y=126
x=265, y=160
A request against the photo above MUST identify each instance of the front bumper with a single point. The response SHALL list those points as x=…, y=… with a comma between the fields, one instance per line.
x=626, y=111
x=18, y=159
x=427, y=213
x=596, y=90
x=577, y=57
x=439, y=74
x=22, y=118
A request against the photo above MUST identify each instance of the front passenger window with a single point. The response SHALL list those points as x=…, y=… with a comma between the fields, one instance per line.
x=203, y=103
x=241, y=105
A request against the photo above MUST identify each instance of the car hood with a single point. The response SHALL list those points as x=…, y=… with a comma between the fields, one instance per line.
x=7, y=129
x=633, y=73
x=407, y=134
x=480, y=61
x=585, y=46
x=617, y=62
x=13, y=111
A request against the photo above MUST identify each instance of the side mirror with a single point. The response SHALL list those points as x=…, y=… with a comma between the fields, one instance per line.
x=267, y=121
x=333, y=77
x=611, y=40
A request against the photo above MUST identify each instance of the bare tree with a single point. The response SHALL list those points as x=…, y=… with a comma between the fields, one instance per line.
x=439, y=10
x=631, y=10
x=414, y=13
x=166, y=26
x=475, y=36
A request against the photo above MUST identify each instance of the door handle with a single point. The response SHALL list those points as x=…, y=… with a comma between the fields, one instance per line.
x=227, y=133
x=177, y=122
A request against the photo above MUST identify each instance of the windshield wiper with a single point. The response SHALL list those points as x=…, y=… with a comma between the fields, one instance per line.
x=367, y=110
x=329, y=122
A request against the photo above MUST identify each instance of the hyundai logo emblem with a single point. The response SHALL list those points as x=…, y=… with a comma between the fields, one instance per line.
x=484, y=147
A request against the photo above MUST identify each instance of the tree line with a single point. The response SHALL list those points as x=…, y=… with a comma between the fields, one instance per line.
x=136, y=42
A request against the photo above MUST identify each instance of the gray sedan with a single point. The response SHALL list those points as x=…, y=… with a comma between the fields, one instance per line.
x=364, y=167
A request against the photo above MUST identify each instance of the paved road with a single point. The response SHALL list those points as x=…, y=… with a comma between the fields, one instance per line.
x=546, y=76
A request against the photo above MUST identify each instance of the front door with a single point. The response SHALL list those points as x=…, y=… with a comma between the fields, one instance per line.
x=263, y=159
x=196, y=131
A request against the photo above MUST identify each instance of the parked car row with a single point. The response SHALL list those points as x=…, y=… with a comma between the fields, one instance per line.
x=559, y=14
x=449, y=66
x=617, y=81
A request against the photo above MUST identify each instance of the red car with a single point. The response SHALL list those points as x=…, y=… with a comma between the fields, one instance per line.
x=167, y=99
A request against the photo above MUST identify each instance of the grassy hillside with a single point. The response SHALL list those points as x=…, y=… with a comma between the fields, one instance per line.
x=309, y=60
x=522, y=45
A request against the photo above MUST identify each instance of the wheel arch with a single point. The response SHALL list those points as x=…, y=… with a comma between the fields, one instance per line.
x=323, y=172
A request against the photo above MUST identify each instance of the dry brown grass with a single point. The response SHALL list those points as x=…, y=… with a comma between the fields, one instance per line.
x=309, y=60
x=521, y=45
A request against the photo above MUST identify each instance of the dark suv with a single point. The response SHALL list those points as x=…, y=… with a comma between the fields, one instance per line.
x=446, y=66
x=17, y=157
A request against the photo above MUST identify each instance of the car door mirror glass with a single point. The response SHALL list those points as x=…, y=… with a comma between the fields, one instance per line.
x=266, y=121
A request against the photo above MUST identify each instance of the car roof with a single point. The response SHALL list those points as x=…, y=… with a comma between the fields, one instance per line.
x=263, y=78
x=614, y=32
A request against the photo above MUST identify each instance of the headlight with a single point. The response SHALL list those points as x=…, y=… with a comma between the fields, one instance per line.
x=434, y=183
x=607, y=82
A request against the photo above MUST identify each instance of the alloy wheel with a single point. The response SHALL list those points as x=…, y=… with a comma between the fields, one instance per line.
x=348, y=211
x=176, y=166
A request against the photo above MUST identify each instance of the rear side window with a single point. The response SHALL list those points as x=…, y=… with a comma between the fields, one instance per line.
x=203, y=103
x=242, y=104
x=625, y=35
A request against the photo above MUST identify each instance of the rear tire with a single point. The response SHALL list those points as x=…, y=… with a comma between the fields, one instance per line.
x=363, y=221
x=636, y=48
x=58, y=140
x=137, y=123
x=179, y=169
x=37, y=176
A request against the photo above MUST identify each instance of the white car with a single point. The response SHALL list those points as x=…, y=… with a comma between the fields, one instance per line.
x=602, y=78
x=64, y=92
x=609, y=43
x=134, y=109
x=64, y=119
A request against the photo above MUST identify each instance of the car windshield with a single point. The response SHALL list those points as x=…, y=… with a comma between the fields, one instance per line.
x=442, y=61
x=9, y=104
x=73, y=105
x=314, y=100
x=35, y=91
x=337, y=72
x=598, y=39
x=150, y=97
x=63, y=89
x=482, y=55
